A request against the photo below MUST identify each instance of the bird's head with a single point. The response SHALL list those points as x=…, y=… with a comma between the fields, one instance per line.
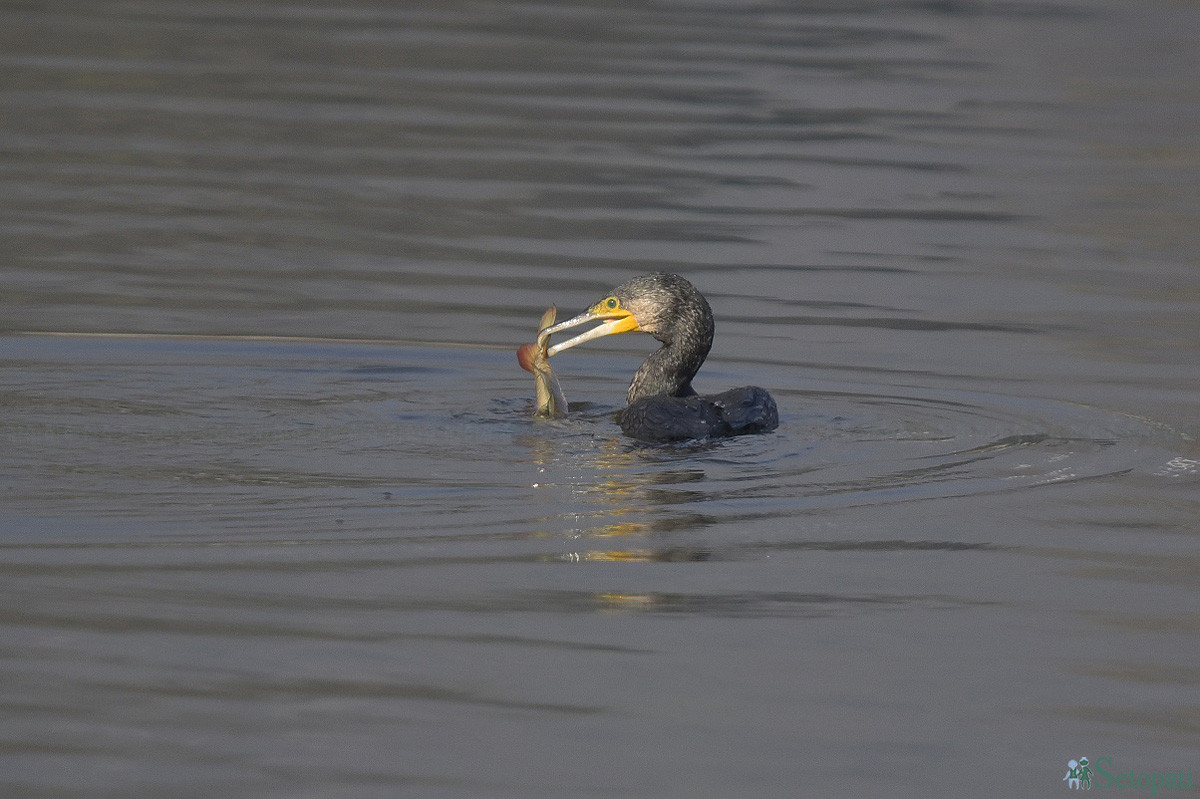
x=650, y=303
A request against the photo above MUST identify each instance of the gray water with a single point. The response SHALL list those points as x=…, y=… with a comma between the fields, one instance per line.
x=277, y=520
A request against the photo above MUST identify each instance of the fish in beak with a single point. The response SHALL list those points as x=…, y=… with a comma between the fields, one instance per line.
x=535, y=358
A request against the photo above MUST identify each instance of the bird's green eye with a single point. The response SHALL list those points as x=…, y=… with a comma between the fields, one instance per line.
x=612, y=303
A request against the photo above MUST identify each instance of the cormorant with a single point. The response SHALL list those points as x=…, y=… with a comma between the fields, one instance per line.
x=663, y=406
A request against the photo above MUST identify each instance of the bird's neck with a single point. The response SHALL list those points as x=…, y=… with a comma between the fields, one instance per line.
x=669, y=370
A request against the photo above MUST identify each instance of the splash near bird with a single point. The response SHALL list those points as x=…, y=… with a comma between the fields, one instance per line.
x=551, y=401
x=663, y=406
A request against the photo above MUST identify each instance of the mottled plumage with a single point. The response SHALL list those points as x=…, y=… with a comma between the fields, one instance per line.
x=674, y=312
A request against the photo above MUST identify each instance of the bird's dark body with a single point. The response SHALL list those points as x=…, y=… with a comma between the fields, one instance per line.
x=663, y=406
x=661, y=418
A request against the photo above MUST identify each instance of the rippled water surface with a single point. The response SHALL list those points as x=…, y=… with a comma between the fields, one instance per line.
x=276, y=517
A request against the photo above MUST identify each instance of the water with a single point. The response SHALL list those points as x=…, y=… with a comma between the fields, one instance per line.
x=277, y=520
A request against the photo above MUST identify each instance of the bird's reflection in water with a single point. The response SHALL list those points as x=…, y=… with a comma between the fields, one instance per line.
x=663, y=555
x=607, y=497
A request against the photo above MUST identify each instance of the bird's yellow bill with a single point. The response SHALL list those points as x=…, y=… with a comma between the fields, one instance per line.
x=614, y=321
